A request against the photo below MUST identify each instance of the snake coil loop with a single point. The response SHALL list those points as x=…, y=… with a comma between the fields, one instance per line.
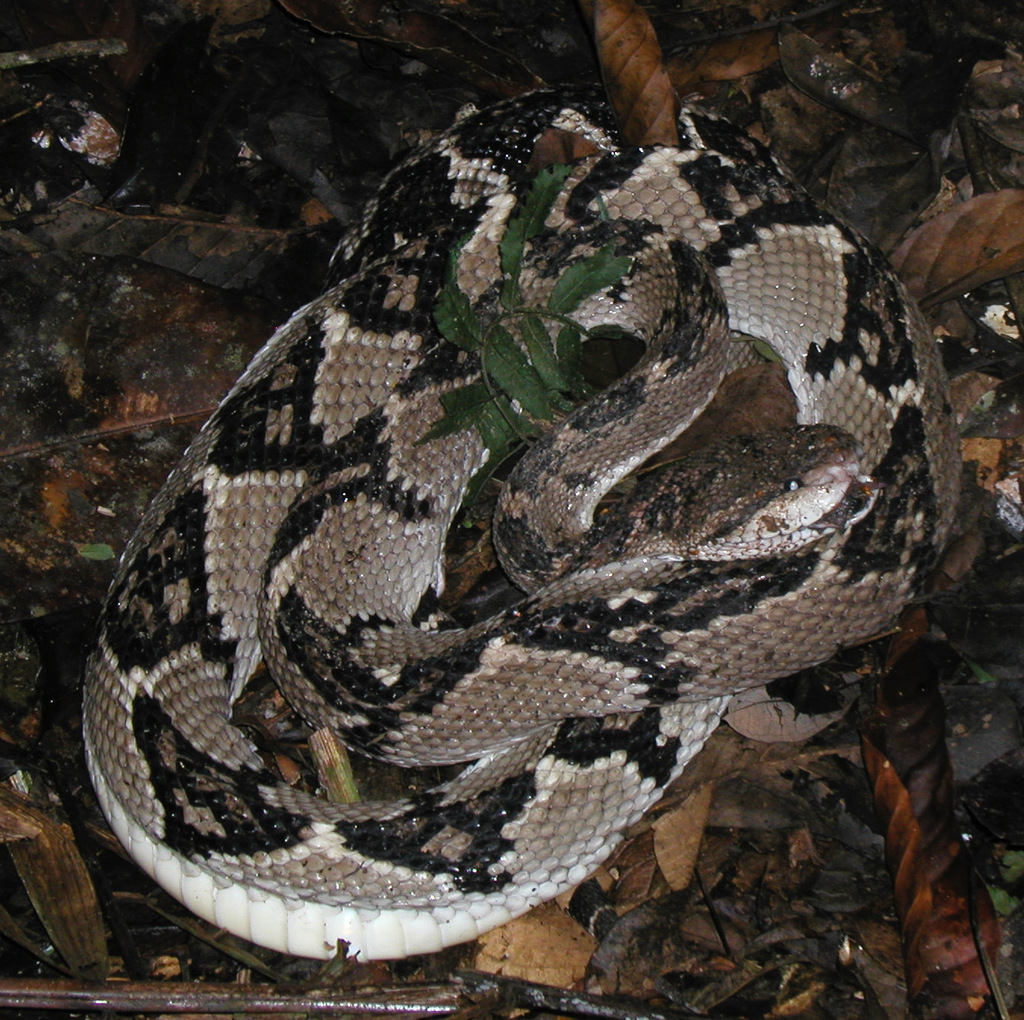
x=305, y=526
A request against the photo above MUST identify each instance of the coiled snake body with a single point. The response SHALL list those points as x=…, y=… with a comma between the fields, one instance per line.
x=305, y=526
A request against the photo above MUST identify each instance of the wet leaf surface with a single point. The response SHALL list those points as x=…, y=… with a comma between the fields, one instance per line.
x=634, y=73
x=957, y=251
x=832, y=80
x=934, y=883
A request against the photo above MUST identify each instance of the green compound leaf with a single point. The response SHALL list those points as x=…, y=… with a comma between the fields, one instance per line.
x=569, y=348
x=545, y=359
x=463, y=409
x=499, y=426
x=585, y=278
x=530, y=216
x=526, y=378
x=454, y=314
x=505, y=364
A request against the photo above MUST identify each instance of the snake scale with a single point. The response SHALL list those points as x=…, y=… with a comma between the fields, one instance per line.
x=305, y=527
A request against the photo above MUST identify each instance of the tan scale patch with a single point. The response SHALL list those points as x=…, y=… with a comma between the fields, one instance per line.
x=176, y=598
x=357, y=373
x=788, y=288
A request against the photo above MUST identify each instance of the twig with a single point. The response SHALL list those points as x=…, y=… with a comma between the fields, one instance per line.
x=529, y=995
x=74, y=49
x=201, y=997
x=466, y=989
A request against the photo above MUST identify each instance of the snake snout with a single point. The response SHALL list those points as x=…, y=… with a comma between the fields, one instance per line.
x=838, y=485
x=858, y=500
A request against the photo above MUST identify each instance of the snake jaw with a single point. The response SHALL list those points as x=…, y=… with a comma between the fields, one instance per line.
x=842, y=476
x=856, y=504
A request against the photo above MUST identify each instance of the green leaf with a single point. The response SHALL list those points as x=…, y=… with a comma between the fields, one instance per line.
x=506, y=365
x=590, y=276
x=531, y=215
x=501, y=428
x=455, y=317
x=462, y=407
x=541, y=353
x=982, y=674
x=765, y=350
x=1011, y=864
x=96, y=551
x=475, y=406
x=527, y=221
x=525, y=377
x=569, y=348
x=1003, y=902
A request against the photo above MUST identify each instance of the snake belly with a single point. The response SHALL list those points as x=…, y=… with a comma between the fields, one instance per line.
x=305, y=527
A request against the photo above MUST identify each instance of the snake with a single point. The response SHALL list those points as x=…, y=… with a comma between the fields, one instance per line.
x=305, y=528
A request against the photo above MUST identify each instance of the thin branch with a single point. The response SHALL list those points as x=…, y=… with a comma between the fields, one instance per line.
x=74, y=49
x=428, y=999
x=203, y=997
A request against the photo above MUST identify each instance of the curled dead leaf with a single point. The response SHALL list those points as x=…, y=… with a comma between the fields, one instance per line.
x=908, y=764
x=975, y=242
x=633, y=70
x=58, y=884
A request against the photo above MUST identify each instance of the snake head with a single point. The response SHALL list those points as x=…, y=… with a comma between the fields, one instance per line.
x=822, y=490
x=746, y=497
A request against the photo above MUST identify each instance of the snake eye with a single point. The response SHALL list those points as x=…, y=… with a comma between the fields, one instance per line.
x=792, y=485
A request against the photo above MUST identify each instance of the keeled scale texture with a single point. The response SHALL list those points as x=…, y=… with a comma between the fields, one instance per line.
x=306, y=523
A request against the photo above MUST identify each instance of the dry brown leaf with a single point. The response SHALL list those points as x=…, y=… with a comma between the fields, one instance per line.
x=558, y=146
x=758, y=715
x=907, y=762
x=635, y=867
x=633, y=69
x=986, y=457
x=220, y=253
x=958, y=250
x=724, y=59
x=678, y=834
x=841, y=84
x=545, y=945
x=58, y=884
